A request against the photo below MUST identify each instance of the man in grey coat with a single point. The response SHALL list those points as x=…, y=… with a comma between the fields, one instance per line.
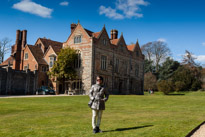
x=99, y=95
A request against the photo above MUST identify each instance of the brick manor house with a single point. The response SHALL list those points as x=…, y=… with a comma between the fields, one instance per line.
x=121, y=65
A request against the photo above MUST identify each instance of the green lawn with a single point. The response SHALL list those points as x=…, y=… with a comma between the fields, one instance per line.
x=141, y=116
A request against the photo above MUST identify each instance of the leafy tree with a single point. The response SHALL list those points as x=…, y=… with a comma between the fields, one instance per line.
x=187, y=77
x=183, y=74
x=168, y=68
x=64, y=66
x=195, y=70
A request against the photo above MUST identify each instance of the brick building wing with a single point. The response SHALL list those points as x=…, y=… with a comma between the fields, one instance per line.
x=121, y=65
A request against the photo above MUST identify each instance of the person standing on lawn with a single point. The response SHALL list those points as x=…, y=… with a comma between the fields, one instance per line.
x=100, y=95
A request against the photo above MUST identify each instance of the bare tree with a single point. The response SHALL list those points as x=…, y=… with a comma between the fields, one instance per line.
x=188, y=60
x=4, y=48
x=147, y=50
x=160, y=52
x=156, y=51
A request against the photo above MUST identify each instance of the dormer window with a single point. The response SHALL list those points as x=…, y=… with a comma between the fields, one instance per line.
x=77, y=39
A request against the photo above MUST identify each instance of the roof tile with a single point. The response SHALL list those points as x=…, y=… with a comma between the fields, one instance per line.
x=38, y=54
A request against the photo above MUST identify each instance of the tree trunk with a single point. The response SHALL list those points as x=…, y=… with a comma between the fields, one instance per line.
x=63, y=87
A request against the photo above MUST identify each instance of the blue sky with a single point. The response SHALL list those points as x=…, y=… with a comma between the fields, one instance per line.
x=180, y=23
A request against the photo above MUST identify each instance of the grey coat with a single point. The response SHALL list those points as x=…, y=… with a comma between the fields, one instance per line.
x=100, y=97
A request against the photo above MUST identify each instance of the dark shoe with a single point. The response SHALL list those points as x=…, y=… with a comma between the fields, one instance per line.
x=98, y=130
x=94, y=130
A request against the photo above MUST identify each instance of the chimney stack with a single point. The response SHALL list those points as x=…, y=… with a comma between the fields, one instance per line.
x=72, y=27
x=24, y=37
x=18, y=36
x=114, y=34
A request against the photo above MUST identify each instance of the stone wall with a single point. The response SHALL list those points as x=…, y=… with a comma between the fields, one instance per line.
x=86, y=50
x=14, y=82
x=124, y=81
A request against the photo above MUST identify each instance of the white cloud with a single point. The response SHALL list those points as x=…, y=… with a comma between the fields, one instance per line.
x=162, y=40
x=200, y=58
x=203, y=43
x=64, y=3
x=111, y=13
x=124, y=9
x=33, y=8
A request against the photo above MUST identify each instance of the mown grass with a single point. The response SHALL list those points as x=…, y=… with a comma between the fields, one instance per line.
x=131, y=116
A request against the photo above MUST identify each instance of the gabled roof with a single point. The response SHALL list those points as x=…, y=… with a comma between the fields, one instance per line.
x=90, y=33
x=96, y=34
x=48, y=42
x=6, y=62
x=57, y=49
x=38, y=54
x=131, y=47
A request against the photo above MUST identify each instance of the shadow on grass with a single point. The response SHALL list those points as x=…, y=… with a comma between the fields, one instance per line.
x=130, y=128
x=176, y=94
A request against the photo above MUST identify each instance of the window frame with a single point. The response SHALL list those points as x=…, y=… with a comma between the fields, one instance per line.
x=117, y=62
x=104, y=42
x=26, y=57
x=103, y=62
x=52, y=61
x=77, y=39
x=78, y=61
x=25, y=67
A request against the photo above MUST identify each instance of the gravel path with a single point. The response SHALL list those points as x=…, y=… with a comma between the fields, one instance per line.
x=200, y=132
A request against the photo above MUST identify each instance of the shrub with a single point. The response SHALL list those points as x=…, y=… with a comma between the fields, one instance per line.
x=165, y=86
x=196, y=85
x=150, y=81
x=179, y=86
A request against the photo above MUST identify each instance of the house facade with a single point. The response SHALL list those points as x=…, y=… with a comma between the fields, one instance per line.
x=121, y=65
x=24, y=56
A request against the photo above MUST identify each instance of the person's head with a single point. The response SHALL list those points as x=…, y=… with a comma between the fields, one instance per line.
x=99, y=79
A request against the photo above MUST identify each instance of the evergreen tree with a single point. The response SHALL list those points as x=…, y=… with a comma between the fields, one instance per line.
x=148, y=66
x=168, y=68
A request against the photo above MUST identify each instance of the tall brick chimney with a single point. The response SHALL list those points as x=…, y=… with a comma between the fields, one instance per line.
x=72, y=27
x=24, y=37
x=114, y=34
x=18, y=33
